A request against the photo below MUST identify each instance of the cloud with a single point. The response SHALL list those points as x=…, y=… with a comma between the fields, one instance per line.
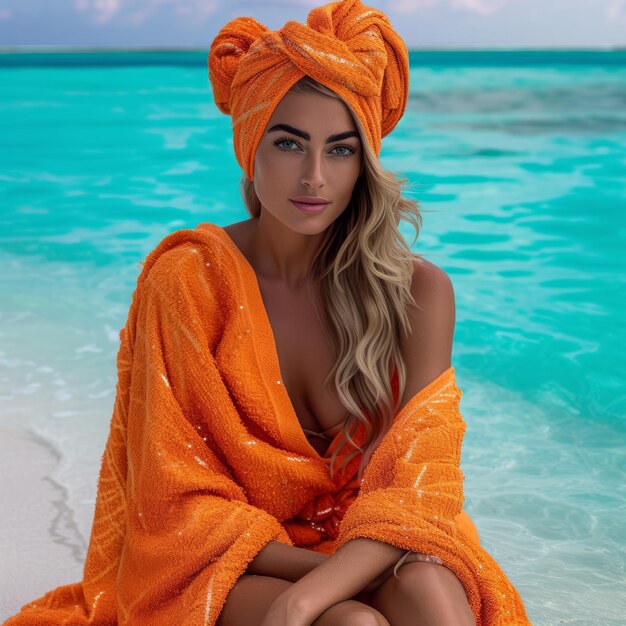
x=136, y=12
x=483, y=7
x=197, y=10
x=102, y=10
x=409, y=6
x=616, y=10
x=5, y=14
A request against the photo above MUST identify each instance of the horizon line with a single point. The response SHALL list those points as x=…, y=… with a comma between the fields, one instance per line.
x=443, y=47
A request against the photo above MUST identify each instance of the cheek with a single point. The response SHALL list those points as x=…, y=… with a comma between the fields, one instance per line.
x=264, y=172
x=345, y=178
x=272, y=161
x=268, y=175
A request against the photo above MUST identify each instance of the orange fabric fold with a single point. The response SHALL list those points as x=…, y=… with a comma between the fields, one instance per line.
x=411, y=496
x=346, y=46
x=206, y=461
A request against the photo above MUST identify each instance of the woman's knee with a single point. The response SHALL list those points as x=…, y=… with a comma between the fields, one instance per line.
x=426, y=590
x=351, y=613
x=427, y=574
x=253, y=595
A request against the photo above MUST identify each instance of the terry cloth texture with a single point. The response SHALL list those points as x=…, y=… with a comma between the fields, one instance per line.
x=350, y=48
x=206, y=461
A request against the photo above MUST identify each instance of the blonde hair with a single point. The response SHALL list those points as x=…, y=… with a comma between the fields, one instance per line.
x=363, y=272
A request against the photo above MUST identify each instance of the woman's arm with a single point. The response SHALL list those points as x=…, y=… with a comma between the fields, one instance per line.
x=327, y=584
x=292, y=563
x=287, y=562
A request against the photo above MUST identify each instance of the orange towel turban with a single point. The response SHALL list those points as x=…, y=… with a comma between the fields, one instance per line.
x=348, y=47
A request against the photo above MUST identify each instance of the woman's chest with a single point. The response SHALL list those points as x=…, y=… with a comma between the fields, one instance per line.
x=305, y=356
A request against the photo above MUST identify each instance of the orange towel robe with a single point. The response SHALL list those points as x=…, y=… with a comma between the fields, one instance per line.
x=206, y=461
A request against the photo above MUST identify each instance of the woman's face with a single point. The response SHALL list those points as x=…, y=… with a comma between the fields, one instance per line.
x=310, y=148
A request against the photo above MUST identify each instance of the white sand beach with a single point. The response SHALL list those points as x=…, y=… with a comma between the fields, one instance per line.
x=41, y=546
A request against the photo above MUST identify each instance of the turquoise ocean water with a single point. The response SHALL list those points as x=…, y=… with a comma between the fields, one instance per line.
x=519, y=162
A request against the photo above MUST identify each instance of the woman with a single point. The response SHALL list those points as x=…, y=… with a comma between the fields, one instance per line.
x=286, y=437
x=295, y=161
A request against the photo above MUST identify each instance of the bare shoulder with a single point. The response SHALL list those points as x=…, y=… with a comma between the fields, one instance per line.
x=431, y=286
x=427, y=349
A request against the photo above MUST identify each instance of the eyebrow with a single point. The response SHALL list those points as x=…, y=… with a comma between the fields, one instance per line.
x=305, y=135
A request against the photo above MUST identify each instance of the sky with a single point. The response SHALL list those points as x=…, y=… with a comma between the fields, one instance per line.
x=421, y=23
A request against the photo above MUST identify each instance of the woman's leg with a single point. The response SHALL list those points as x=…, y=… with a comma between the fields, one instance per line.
x=251, y=597
x=424, y=594
x=351, y=613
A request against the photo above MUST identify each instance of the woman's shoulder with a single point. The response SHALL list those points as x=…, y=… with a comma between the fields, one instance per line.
x=427, y=349
x=430, y=282
x=191, y=271
x=185, y=252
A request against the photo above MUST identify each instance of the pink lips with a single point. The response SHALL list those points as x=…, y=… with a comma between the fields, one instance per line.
x=309, y=207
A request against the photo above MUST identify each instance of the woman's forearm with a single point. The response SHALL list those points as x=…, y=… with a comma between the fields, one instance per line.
x=344, y=574
x=287, y=562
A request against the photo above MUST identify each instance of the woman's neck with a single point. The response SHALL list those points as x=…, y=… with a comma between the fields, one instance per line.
x=278, y=253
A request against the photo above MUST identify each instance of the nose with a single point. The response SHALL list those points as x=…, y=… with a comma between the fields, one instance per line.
x=313, y=175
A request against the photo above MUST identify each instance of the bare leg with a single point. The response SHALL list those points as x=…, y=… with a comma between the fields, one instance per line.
x=424, y=594
x=351, y=613
x=251, y=597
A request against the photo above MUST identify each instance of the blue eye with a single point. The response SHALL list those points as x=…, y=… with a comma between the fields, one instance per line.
x=348, y=148
x=286, y=140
